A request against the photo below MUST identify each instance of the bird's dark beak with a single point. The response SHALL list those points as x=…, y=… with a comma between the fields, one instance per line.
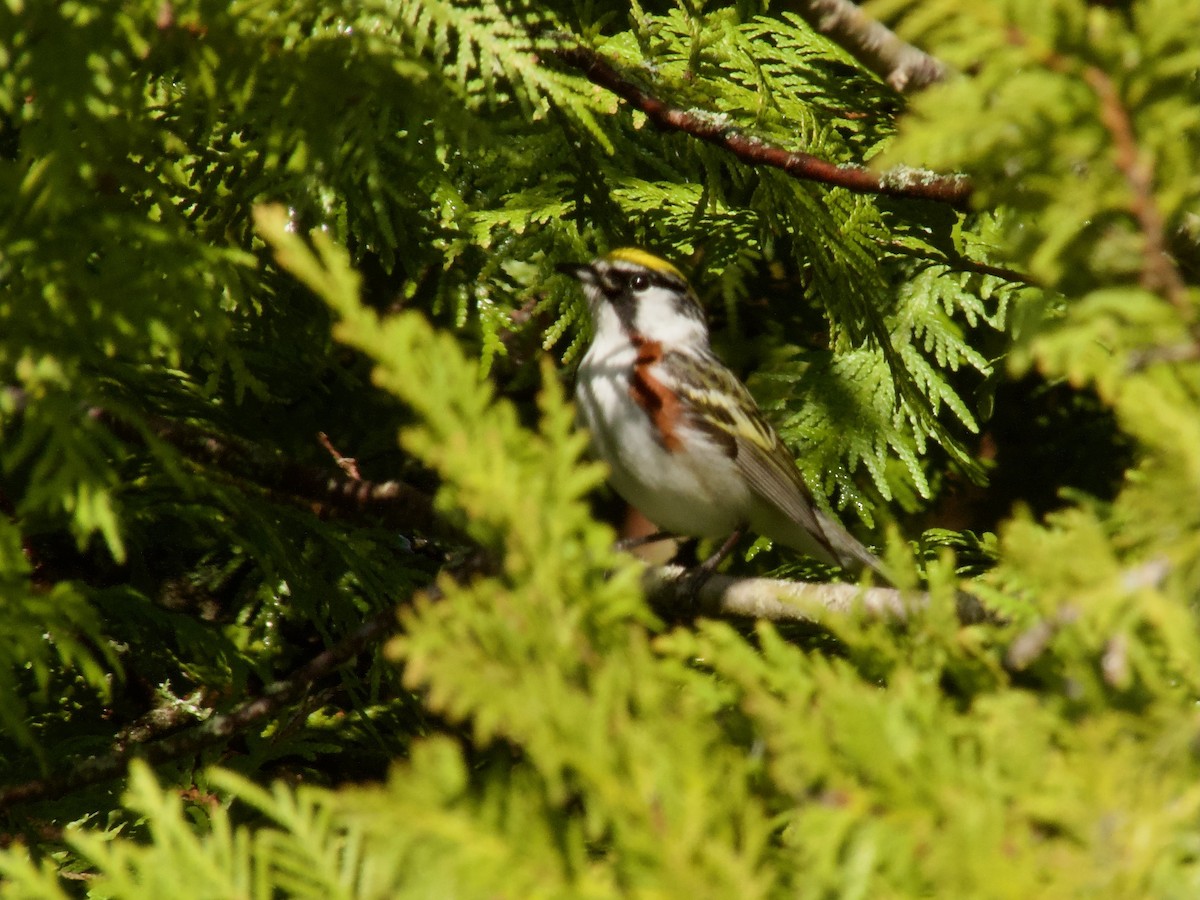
x=584, y=272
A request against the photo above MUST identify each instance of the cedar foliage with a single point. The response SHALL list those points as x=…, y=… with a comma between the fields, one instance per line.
x=228, y=227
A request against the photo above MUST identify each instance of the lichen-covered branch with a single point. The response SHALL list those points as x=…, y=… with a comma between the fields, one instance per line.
x=668, y=589
x=910, y=184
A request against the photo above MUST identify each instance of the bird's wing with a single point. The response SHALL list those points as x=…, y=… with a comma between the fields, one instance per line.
x=721, y=406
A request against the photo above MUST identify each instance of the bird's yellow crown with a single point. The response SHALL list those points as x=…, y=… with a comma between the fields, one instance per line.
x=641, y=258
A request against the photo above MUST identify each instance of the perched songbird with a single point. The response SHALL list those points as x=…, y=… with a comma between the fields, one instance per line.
x=684, y=440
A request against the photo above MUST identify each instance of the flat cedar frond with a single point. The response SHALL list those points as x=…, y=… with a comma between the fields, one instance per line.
x=294, y=508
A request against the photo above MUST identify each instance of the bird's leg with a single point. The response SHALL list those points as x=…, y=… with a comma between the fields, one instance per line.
x=630, y=543
x=696, y=578
x=710, y=565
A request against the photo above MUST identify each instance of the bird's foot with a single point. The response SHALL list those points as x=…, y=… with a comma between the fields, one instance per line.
x=694, y=580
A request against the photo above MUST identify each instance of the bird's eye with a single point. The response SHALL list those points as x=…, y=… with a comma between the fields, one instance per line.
x=639, y=282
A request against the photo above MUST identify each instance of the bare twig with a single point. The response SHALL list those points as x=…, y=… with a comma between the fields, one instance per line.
x=391, y=503
x=668, y=589
x=910, y=184
x=1171, y=353
x=963, y=264
x=347, y=464
x=1159, y=272
x=1030, y=644
x=213, y=731
x=903, y=66
x=1115, y=661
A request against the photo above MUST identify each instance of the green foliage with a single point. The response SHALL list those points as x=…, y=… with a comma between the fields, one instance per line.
x=61, y=614
x=228, y=228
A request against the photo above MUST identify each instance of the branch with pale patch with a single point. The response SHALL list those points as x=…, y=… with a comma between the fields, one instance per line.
x=904, y=67
x=669, y=590
x=347, y=464
x=954, y=190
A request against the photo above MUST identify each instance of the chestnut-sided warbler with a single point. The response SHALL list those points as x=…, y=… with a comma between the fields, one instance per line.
x=683, y=438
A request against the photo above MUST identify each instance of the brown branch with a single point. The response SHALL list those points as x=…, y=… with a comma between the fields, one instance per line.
x=1159, y=273
x=347, y=464
x=391, y=503
x=162, y=720
x=907, y=184
x=904, y=67
x=964, y=264
x=215, y=730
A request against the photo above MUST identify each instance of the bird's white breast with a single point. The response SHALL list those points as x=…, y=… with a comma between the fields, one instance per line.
x=692, y=490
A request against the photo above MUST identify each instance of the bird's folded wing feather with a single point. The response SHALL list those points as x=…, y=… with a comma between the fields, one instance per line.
x=724, y=408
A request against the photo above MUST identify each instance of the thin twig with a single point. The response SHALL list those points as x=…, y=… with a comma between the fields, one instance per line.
x=909, y=184
x=1139, y=360
x=1159, y=273
x=1030, y=644
x=215, y=730
x=390, y=503
x=904, y=67
x=963, y=264
x=347, y=464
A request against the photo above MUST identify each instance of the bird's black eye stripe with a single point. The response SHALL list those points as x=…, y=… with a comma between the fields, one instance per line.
x=640, y=281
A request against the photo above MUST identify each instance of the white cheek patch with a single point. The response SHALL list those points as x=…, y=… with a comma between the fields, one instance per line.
x=605, y=319
x=659, y=318
x=652, y=310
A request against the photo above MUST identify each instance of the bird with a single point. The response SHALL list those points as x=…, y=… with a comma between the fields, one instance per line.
x=683, y=438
